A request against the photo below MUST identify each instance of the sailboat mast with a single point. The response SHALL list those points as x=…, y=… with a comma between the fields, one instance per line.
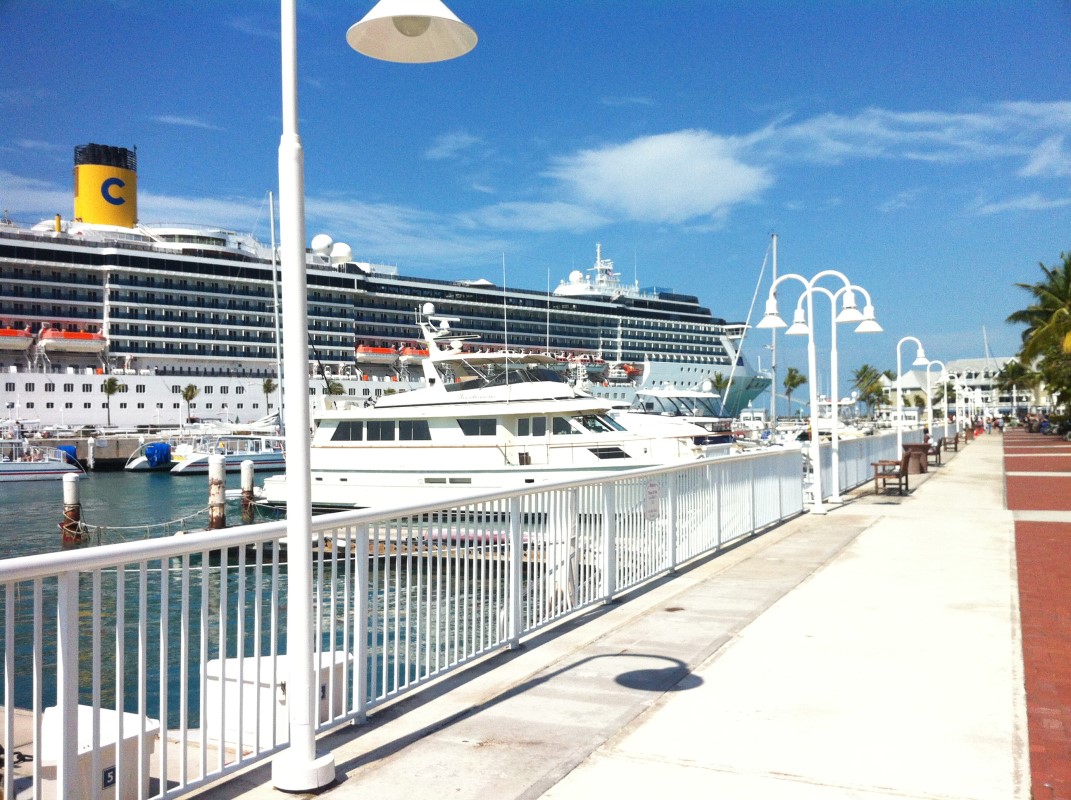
x=773, y=349
x=275, y=300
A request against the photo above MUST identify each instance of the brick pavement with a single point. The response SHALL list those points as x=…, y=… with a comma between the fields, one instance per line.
x=1038, y=489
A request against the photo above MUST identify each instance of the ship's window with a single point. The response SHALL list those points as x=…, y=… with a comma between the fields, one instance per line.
x=348, y=431
x=532, y=426
x=380, y=430
x=560, y=426
x=9, y=387
x=477, y=427
x=87, y=387
x=598, y=424
x=410, y=430
x=68, y=387
x=50, y=387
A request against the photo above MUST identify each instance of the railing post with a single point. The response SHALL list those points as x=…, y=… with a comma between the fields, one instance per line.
x=67, y=684
x=671, y=512
x=516, y=574
x=609, y=541
x=362, y=552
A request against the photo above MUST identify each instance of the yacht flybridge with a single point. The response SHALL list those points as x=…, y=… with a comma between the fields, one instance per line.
x=484, y=420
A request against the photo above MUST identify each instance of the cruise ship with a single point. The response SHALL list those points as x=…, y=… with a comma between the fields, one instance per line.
x=185, y=320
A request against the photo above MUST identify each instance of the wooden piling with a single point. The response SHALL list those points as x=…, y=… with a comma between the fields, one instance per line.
x=247, y=492
x=71, y=527
x=217, y=486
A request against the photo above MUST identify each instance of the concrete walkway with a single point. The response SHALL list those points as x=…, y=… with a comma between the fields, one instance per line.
x=873, y=652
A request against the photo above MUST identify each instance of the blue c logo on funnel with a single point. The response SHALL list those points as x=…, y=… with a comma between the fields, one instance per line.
x=106, y=191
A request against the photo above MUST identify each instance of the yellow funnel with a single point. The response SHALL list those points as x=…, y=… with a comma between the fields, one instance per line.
x=106, y=185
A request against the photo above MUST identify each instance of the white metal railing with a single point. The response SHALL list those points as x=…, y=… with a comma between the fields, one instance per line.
x=171, y=647
x=856, y=456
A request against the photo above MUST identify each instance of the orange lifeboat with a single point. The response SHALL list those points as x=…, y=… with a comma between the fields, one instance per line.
x=15, y=340
x=366, y=354
x=53, y=340
x=413, y=355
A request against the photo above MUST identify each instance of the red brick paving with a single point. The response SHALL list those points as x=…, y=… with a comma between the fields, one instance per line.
x=1043, y=554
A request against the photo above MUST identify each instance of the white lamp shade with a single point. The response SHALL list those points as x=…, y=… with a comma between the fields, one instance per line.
x=411, y=32
x=869, y=326
x=771, y=321
x=920, y=359
x=799, y=325
x=849, y=311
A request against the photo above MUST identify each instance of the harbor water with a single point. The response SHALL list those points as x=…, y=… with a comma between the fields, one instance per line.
x=116, y=506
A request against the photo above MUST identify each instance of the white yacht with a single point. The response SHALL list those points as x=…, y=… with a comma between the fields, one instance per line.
x=484, y=420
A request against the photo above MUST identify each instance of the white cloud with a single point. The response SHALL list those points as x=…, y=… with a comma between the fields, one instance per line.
x=186, y=122
x=1031, y=202
x=1048, y=160
x=669, y=178
x=450, y=145
x=540, y=217
x=618, y=102
x=30, y=196
x=998, y=131
x=391, y=233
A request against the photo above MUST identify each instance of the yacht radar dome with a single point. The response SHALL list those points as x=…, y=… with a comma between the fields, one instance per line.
x=321, y=244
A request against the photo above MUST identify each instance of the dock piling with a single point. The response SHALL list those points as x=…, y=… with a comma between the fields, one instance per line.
x=71, y=527
x=217, y=480
x=247, y=492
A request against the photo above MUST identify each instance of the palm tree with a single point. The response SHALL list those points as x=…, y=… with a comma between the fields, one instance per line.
x=1048, y=318
x=109, y=387
x=1017, y=379
x=335, y=388
x=189, y=392
x=720, y=384
x=867, y=380
x=268, y=386
x=794, y=379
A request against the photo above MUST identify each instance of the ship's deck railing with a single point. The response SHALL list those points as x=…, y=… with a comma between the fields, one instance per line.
x=173, y=647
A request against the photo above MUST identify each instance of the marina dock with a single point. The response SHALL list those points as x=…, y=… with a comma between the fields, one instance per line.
x=872, y=652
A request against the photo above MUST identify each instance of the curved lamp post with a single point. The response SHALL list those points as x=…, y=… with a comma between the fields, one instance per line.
x=772, y=319
x=412, y=31
x=866, y=325
x=929, y=400
x=920, y=361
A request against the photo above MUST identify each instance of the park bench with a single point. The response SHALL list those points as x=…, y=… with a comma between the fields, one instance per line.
x=888, y=472
x=935, y=451
x=951, y=442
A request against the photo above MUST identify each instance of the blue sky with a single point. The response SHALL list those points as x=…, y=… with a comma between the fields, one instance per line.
x=921, y=148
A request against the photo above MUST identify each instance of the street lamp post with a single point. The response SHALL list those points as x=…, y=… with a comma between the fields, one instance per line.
x=411, y=31
x=866, y=325
x=929, y=400
x=771, y=319
x=920, y=361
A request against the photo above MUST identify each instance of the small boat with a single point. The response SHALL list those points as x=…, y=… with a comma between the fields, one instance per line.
x=366, y=354
x=413, y=355
x=266, y=452
x=22, y=460
x=12, y=340
x=53, y=339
